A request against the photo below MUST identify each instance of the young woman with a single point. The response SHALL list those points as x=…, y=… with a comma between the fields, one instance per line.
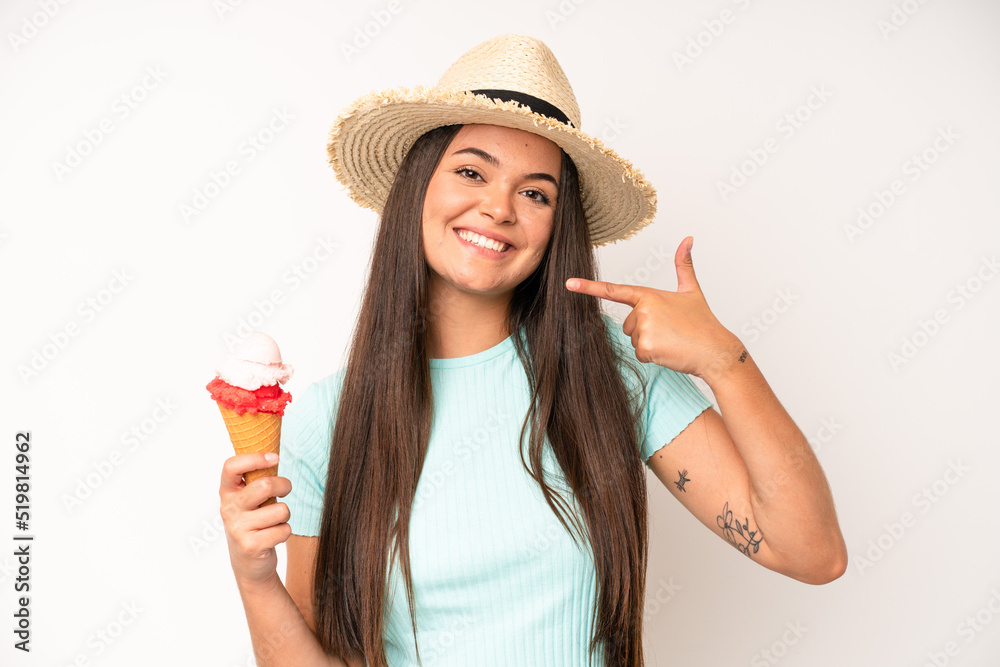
x=469, y=488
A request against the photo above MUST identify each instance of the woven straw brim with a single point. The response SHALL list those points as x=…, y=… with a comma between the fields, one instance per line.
x=370, y=138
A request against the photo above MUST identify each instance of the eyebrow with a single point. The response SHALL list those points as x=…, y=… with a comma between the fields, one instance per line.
x=492, y=161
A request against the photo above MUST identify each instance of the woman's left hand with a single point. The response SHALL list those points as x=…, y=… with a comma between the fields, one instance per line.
x=672, y=329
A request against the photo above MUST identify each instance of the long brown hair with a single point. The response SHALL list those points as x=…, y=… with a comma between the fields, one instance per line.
x=579, y=400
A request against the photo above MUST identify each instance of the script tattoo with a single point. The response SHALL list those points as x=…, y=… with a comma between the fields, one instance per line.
x=682, y=480
x=743, y=357
x=737, y=534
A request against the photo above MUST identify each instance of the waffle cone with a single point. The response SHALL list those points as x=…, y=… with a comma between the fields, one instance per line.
x=260, y=432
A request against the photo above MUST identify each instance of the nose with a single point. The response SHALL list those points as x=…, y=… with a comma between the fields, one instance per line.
x=497, y=203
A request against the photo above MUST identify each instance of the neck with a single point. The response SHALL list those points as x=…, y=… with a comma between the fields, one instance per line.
x=463, y=323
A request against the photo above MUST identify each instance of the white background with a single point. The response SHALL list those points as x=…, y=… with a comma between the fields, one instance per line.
x=127, y=529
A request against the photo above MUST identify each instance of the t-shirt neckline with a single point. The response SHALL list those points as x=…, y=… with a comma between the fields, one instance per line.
x=504, y=346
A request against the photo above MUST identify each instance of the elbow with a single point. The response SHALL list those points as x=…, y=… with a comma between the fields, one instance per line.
x=828, y=574
x=821, y=562
x=828, y=569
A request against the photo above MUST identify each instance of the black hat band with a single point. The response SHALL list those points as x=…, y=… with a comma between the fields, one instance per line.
x=536, y=104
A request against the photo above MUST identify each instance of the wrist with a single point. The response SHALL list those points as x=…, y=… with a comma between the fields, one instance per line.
x=729, y=357
x=259, y=587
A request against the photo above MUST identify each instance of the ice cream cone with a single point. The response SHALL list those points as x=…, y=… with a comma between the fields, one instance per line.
x=258, y=432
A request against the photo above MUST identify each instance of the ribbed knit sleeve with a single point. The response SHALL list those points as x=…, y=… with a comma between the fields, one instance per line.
x=306, y=431
x=672, y=399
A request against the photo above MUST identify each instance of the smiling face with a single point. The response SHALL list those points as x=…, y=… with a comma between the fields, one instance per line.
x=497, y=187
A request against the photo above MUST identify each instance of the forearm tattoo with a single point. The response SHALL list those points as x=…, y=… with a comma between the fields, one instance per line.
x=737, y=534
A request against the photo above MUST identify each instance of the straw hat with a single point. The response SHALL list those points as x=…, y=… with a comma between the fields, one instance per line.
x=510, y=80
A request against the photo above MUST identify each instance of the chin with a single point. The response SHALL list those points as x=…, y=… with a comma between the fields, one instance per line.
x=487, y=290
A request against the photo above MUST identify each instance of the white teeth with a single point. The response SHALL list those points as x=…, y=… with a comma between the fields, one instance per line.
x=481, y=240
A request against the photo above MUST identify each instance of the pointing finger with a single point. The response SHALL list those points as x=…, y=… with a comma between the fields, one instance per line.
x=628, y=294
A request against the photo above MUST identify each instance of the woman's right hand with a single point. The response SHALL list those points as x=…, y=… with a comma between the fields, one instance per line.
x=252, y=531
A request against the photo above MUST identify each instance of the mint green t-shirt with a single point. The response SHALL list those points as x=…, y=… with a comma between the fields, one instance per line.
x=497, y=579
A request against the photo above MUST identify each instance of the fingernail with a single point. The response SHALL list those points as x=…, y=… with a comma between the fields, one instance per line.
x=271, y=457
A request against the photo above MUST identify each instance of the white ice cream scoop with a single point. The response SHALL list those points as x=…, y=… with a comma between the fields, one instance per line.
x=254, y=362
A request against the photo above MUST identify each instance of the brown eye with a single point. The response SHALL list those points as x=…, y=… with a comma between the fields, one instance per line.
x=536, y=195
x=470, y=174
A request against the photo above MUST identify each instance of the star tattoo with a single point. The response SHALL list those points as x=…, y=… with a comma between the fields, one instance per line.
x=682, y=480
